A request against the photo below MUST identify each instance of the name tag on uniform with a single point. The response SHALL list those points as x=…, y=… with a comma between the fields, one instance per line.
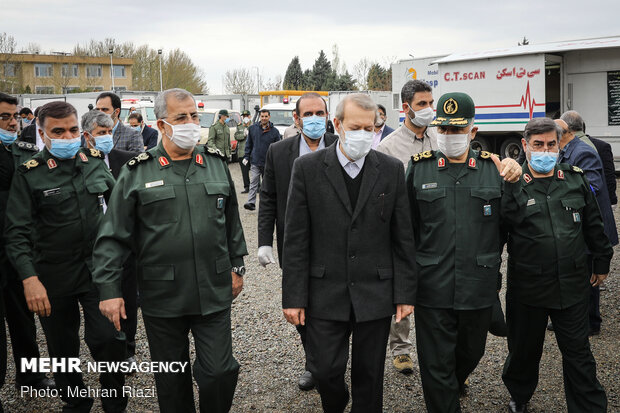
x=429, y=185
x=486, y=210
x=531, y=202
x=154, y=184
x=220, y=203
x=51, y=192
x=576, y=217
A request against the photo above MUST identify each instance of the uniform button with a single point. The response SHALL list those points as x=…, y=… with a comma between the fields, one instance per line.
x=352, y=283
x=458, y=182
x=187, y=180
x=548, y=196
x=352, y=256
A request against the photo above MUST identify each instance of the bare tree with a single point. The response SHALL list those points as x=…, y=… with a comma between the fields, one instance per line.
x=9, y=64
x=34, y=48
x=524, y=42
x=360, y=72
x=239, y=81
x=272, y=84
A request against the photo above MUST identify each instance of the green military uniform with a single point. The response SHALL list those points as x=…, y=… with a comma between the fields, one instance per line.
x=219, y=138
x=63, y=201
x=241, y=137
x=182, y=219
x=551, y=221
x=456, y=222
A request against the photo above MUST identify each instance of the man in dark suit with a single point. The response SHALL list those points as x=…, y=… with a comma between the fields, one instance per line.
x=347, y=270
x=311, y=116
x=149, y=135
x=381, y=129
x=123, y=137
x=97, y=128
x=29, y=133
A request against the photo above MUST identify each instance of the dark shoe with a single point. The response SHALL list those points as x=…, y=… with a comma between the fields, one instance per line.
x=403, y=364
x=249, y=206
x=245, y=191
x=306, y=382
x=131, y=360
x=44, y=383
x=464, y=388
x=513, y=407
x=550, y=326
x=594, y=332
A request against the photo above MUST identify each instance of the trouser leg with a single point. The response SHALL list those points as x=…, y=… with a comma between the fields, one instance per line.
x=594, y=308
x=129, y=287
x=526, y=335
x=436, y=339
x=168, y=341
x=368, y=365
x=61, y=330
x=399, y=337
x=245, y=173
x=105, y=344
x=583, y=391
x=473, y=328
x=3, y=345
x=255, y=176
x=215, y=369
x=302, y=335
x=328, y=352
x=22, y=330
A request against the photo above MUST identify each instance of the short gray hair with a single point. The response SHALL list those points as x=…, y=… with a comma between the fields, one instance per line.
x=94, y=118
x=161, y=101
x=360, y=100
x=574, y=120
x=538, y=126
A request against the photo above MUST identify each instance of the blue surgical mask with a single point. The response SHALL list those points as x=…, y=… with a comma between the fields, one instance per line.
x=313, y=126
x=104, y=143
x=26, y=121
x=357, y=143
x=64, y=148
x=137, y=127
x=543, y=162
x=7, y=137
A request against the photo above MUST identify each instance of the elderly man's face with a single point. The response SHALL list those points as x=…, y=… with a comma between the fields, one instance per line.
x=356, y=118
x=179, y=112
x=97, y=131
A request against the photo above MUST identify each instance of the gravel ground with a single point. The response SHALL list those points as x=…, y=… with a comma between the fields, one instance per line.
x=271, y=356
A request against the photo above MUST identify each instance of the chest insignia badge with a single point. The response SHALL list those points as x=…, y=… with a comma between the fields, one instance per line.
x=472, y=163
x=51, y=164
x=441, y=162
x=163, y=161
x=83, y=157
x=199, y=159
x=560, y=174
x=527, y=178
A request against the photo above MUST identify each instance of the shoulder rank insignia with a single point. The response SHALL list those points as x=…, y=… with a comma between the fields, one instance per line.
x=422, y=155
x=96, y=153
x=27, y=146
x=30, y=164
x=577, y=169
x=486, y=155
x=215, y=152
x=133, y=162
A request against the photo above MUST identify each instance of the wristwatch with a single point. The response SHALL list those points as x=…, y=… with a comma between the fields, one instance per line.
x=239, y=270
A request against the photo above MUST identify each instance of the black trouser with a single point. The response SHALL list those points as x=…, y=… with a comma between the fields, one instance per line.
x=245, y=173
x=129, y=287
x=22, y=330
x=3, y=346
x=450, y=345
x=302, y=335
x=215, y=368
x=105, y=343
x=526, y=335
x=328, y=353
x=594, y=311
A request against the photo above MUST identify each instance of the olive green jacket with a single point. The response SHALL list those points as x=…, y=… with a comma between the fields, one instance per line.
x=241, y=138
x=219, y=138
x=53, y=214
x=456, y=222
x=182, y=221
x=549, y=230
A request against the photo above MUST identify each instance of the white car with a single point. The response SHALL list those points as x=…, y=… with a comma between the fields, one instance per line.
x=144, y=107
x=281, y=115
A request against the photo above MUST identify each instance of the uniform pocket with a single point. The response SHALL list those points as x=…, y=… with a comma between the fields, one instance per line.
x=432, y=203
x=157, y=205
x=163, y=272
x=217, y=197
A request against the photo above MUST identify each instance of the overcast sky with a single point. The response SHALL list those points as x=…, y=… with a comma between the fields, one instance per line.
x=224, y=35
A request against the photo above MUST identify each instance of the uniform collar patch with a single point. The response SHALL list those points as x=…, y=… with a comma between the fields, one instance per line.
x=441, y=163
x=472, y=163
x=199, y=159
x=83, y=157
x=51, y=164
x=560, y=174
x=527, y=178
x=163, y=161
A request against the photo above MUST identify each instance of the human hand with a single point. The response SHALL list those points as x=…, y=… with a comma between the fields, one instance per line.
x=245, y=162
x=597, y=279
x=508, y=168
x=295, y=316
x=36, y=296
x=403, y=311
x=237, y=284
x=265, y=255
x=113, y=309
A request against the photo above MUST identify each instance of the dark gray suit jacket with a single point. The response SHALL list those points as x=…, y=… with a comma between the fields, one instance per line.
x=127, y=139
x=274, y=188
x=337, y=260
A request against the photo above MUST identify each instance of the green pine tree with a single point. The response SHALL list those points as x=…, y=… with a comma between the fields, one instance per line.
x=293, y=79
x=321, y=72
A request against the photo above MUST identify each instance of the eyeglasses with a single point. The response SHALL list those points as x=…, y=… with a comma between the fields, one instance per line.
x=7, y=116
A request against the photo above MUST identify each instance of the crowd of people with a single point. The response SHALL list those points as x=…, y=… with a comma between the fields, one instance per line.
x=377, y=230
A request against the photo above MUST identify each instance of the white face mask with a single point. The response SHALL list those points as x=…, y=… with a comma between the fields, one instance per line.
x=357, y=143
x=184, y=135
x=379, y=122
x=453, y=146
x=246, y=120
x=422, y=117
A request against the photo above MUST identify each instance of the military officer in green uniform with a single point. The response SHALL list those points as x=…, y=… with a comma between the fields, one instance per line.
x=455, y=197
x=241, y=135
x=219, y=134
x=552, y=217
x=176, y=206
x=60, y=194
x=19, y=318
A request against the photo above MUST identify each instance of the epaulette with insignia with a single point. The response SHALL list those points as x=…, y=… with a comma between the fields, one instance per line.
x=215, y=152
x=144, y=156
x=422, y=155
x=29, y=164
x=27, y=146
x=96, y=153
x=486, y=155
x=577, y=169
